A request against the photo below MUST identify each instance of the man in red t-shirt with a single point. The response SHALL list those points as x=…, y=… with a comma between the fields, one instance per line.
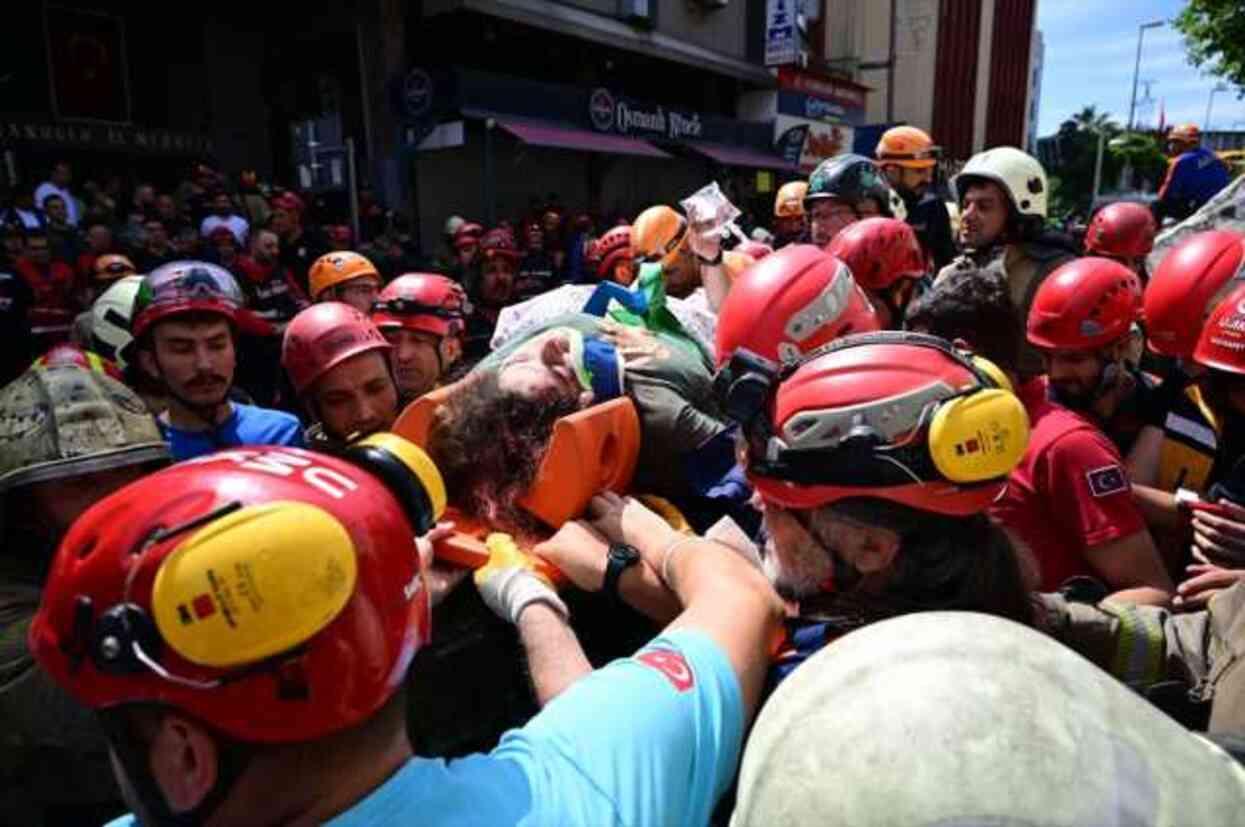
x=1070, y=499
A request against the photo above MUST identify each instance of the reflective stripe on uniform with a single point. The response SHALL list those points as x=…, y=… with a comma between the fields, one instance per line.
x=1138, y=659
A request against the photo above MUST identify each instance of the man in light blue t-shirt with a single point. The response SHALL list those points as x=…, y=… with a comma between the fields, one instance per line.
x=185, y=323
x=311, y=728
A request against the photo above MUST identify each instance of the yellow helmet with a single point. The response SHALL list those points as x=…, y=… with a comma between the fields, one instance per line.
x=734, y=263
x=331, y=269
x=658, y=234
x=789, y=202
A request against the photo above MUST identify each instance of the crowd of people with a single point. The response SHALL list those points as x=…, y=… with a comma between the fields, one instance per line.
x=893, y=512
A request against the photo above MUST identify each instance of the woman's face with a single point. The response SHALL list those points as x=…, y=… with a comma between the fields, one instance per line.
x=543, y=367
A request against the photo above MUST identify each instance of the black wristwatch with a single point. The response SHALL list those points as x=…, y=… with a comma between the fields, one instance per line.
x=619, y=558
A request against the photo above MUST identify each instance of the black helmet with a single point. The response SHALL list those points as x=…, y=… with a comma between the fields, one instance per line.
x=852, y=178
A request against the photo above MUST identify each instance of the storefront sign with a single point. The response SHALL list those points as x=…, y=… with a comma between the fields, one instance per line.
x=800, y=105
x=819, y=140
x=846, y=93
x=631, y=118
x=104, y=137
x=782, y=37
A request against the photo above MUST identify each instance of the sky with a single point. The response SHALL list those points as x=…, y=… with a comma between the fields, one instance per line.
x=1091, y=47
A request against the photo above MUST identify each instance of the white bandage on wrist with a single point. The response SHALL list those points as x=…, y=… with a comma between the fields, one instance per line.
x=511, y=591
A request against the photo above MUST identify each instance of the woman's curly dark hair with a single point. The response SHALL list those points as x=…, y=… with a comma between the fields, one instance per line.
x=488, y=444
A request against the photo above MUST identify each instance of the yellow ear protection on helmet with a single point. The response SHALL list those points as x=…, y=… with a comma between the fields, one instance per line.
x=408, y=473
x=977, y=435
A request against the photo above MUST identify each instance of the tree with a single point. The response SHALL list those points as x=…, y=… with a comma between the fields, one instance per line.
x=1072, y=179
x=1214, y=34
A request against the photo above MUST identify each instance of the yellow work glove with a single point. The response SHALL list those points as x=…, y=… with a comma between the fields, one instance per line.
x=509, y=582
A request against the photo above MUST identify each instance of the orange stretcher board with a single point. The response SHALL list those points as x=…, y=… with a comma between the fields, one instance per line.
x=590, y=451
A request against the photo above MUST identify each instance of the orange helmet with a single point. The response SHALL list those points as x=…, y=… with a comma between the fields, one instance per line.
x=734, y=263
x=659, y=233
x=907, y=146
x=789, y=202
x=1185, y=132
x=112, y=267
x=336, y=268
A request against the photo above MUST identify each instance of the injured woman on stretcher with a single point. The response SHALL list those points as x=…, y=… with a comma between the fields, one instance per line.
x=595, y=379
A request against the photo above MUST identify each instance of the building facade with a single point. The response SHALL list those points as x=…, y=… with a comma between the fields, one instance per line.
x=960, y=69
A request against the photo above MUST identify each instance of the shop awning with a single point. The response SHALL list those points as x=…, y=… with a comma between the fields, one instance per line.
x=738, y=156
x=580, y=139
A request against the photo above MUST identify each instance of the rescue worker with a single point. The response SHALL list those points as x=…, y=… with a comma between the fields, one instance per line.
x=1213, y=463
x=106, y=270
x=538, y=269
x=338, y=363
x=1041, y=738
x=615, y=260
x=791, y=303
x=869, y=510
x=1180, y=444
x=688, y=258
x=1124, y=231
x=886, y=260
x=1069, y=499
x=1002, y=194
x=790, y=226
x=205, y=729
x=494, y=290
x=467, y=255
x=844, y=189
x=447, y=257
x=908, y=158
x=1194, y=174
x=69, y=436
x=345, y=277
x=423, y=316
x=186, y=319
x=299, y=247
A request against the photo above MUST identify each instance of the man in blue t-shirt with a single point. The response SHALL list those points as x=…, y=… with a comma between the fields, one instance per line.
x=236, y=688
x=185, y=326
x=1194, y=174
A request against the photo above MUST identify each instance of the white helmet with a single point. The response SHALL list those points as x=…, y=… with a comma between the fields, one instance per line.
x=963, y=718
x=1019, y=174
x=453, y=223
x=110, y=319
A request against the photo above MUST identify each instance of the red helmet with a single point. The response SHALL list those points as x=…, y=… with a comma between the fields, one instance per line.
x=614, y=245
x=894, y=416
x=273, y=593
x=185, y=287
x=754, y=250
x=879, y=252
x=1086, y=304
x=1124, y=230
x=1185, y=286
x=499, y=242
x=468, y=233
x=789, y=303
x=422, y=301
x=67, y=354
x=1222, y=343
x=289, y=202
x=322, y=337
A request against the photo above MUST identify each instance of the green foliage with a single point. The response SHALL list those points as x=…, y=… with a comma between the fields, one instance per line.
x=1214, y=33
x=1072, y=181
x=1143, y=152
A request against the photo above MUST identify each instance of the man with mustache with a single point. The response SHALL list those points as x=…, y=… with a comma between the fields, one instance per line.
x=1003, y=194
x=186, y=319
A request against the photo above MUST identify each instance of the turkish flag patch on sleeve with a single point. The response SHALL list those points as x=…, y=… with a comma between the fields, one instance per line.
x=672, y=664
x=1107, y=480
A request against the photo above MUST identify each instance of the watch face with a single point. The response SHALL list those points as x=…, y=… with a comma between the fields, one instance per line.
x=624, y=553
